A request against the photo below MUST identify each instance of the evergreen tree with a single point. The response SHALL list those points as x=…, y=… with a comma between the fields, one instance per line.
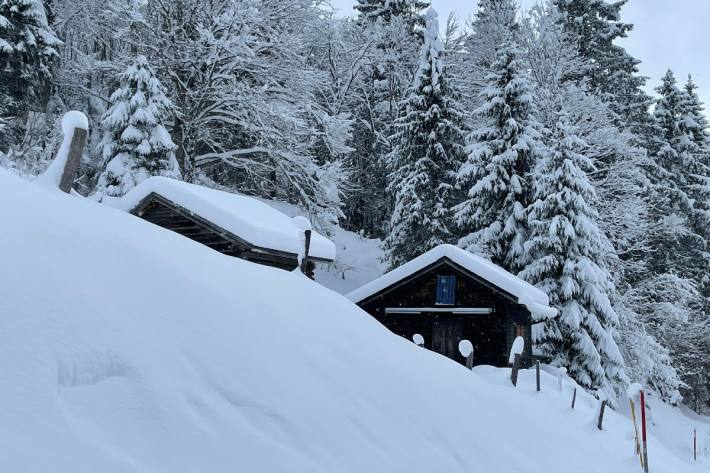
x=27, y=54
x=567, y=254
x=428, y=145
x=390, y=35
x=502, y=151
x=372, y=10
x=613, y=72
x=136, y=144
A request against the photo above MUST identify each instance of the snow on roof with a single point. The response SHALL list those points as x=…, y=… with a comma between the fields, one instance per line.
x=246, y=217
x=531, y=297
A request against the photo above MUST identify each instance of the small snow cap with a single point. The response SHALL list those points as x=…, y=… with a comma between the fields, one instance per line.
x=633, y=390
x=72, y=120
x=302, y=223
x=465, y=348
x=516, y=349
x=418, y=339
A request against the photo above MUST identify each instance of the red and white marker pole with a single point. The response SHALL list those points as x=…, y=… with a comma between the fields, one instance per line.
x=643, y=431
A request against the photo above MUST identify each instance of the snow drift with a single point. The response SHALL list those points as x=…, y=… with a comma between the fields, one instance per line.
x=127, y=348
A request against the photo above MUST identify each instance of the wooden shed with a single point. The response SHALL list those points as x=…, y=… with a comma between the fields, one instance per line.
x=448, y=295
x=233, y=224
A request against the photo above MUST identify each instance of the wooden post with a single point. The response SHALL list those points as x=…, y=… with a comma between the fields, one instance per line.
x=469, y=361
x=304, y=261
x=601, y=415
x=574, y=397
x=71, y=166
x=695, y=445
x=643, y=431
x=537, y=374
x=636, y=430
x=516, y=368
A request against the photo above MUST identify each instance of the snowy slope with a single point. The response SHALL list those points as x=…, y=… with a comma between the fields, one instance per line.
x=128, y=348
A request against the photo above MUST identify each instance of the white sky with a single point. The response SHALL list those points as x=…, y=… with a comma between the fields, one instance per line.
x=667, y=34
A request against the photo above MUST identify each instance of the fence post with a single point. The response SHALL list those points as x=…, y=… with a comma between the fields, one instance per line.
x=574, y=397
x=643, y=431
x=601, y=415
x=71, y=166
x=537, y=374
x=695, y=445
x=516, y=367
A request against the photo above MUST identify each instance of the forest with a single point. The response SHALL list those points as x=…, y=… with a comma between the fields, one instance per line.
x=525, y=136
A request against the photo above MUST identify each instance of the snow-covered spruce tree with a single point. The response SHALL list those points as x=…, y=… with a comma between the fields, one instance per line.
x=501, y=153
x=680, y=236
x=566, y=256
x=613, y=73
x=388, y=37
x=27, y=55
x=429, y=145
x=372, y=10
x=136, y=144
x=681, y=175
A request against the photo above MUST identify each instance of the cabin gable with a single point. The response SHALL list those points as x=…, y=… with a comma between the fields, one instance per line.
x=481, y=312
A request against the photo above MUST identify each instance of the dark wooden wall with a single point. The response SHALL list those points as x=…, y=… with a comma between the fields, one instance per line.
x=492, y=335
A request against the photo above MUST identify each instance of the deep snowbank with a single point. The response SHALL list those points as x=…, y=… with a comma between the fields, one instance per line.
x=127, y=348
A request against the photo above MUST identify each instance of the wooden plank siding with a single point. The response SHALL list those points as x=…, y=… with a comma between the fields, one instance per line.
x=491, y=334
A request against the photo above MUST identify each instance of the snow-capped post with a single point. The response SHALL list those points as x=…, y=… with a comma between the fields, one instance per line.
x=537, y=375
x=418, y=340
x=643, y=431
x=631, y=392
x=562, y=371
x=62, y=171
x=516, y=352
x=466, y=350
x=303, y=224
x=71, y=167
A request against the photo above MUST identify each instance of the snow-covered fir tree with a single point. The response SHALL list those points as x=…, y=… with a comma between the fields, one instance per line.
x=429, y=145
x=372, y=10
x=566, y=255
x=502, y=150
x=613, y=74
x=28, y=52
x=136, y=144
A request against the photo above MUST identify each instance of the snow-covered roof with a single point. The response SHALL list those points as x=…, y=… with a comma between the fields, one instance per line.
x=247, y=218
x=527, y=295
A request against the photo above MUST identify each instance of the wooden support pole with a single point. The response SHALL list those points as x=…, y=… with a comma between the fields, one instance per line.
x=469, y=361
x=636, y=430
x=574, y=397
x=643, y=432
x=304, y=261
x=71, y=166
x=601, y=415
x=695, y=445
x=537, y=374
x=516, y=368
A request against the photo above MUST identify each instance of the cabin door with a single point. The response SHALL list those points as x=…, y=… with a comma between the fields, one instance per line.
x=447, y=332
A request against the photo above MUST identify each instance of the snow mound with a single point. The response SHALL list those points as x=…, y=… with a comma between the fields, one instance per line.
x=128, y=348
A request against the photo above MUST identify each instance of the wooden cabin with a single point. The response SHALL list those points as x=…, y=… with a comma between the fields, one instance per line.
x=232, y=224
x=448, y=295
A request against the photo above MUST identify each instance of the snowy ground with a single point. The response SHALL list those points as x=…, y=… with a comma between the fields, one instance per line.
x=127, y=348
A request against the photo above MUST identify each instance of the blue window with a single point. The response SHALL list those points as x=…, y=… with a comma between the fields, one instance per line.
x=446, y=290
